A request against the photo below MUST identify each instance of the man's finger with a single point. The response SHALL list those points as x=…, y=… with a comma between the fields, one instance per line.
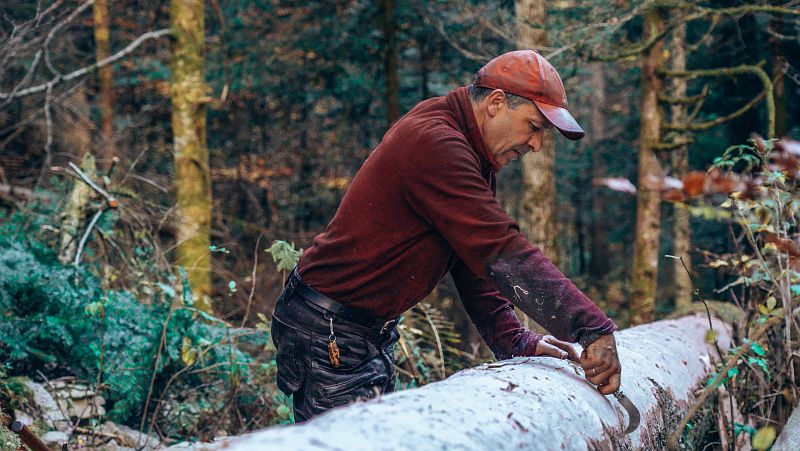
x=599, y=376
x=593, y=368
x=572, y=354
x=612, y=386
x=552, y=351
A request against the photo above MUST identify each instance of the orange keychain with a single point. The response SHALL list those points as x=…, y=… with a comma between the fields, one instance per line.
x=333, y=349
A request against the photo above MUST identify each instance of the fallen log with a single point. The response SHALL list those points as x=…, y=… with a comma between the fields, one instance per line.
x=533, y=403
x=790, y=436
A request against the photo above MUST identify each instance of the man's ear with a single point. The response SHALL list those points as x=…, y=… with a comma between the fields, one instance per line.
x=495, y=102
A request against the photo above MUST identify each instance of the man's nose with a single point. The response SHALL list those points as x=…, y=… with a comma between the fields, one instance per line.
x=535, y=143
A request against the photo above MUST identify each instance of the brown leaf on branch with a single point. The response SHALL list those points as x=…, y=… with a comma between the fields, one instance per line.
x=783, y=244
x=673, y=195
x=784, y=162
x=720, y=182
x=694, y=183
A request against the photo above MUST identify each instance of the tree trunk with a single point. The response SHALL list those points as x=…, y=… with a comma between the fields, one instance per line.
x=680, y=166
x=192, y=178
x=537, y=208
x=537, y=212
x=777, y=78
x=523, y=403
x=600, y=258
x=103, y=50
x=390, y=62
x=648, y=201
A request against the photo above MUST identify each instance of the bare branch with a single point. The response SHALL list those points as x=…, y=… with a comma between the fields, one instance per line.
x=83, y=71
x=684, y=100
x=48, y=146
x=732, y=71
x=13, y=194
x=708, y=124
x=735, y=10
x=112, y=202
x=58, y=28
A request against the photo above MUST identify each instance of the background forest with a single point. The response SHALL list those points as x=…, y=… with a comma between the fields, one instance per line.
x=162, y=164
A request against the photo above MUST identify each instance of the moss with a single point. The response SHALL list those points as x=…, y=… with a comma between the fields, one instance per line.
x=14, y=394
x=727, y=312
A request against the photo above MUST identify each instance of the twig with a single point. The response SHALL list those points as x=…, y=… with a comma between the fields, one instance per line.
x=58, y=28
x=85, y=236
x=410, y=359
x=111, y=200
x=442, y=372
x=85, y=70
x=253, y=285
x=48, y=146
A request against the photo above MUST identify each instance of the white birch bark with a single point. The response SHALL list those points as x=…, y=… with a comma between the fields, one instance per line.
x=523, y=403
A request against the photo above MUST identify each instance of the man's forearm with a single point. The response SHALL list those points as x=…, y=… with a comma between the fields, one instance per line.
x=532, y=283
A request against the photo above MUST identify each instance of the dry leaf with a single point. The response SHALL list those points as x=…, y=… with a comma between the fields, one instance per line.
x=694, y=183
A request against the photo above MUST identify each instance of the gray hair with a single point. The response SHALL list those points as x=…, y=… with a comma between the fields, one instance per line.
x=478, y=93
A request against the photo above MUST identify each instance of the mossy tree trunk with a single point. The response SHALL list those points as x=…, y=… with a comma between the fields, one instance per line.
x=777, y=76
x=537, y=212
x=680, y=166
x=537, y=208
x=102, y=44
x=192, y=179
x=390, y=62
x=648, y=200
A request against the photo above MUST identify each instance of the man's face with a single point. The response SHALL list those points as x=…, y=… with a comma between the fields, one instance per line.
x=509, y=134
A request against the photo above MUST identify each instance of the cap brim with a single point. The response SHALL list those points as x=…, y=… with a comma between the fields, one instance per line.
x=562, y=120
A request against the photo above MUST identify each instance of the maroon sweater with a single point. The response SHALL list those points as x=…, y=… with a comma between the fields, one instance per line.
x=424, y=204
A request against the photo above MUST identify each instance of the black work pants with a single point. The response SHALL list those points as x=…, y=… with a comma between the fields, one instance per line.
x=301, y=331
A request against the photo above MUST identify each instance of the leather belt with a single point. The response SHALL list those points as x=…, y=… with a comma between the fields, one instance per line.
x=327, y=304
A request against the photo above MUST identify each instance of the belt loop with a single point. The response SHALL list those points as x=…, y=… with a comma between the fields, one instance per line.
x=291, y=285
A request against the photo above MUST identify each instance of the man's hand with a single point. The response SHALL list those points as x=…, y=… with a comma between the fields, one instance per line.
x=601, y=364
x=553, y=347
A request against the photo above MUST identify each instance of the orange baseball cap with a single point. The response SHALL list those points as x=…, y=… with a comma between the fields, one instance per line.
x=527, y=74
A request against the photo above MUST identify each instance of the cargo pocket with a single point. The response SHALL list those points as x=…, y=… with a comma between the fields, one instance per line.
x=337, y=389
x=291, y=371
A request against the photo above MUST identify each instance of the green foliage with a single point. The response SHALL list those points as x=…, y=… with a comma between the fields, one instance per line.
x=286, y=254
x=765, y=215
x=60, y=319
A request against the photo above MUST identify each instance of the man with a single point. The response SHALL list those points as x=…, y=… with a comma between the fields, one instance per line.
x=422, y=205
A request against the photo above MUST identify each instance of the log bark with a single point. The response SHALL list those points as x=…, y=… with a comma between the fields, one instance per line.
x=523, y=403
x=790, y=436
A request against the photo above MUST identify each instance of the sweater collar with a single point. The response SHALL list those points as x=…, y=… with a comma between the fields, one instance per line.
x=461, y=105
